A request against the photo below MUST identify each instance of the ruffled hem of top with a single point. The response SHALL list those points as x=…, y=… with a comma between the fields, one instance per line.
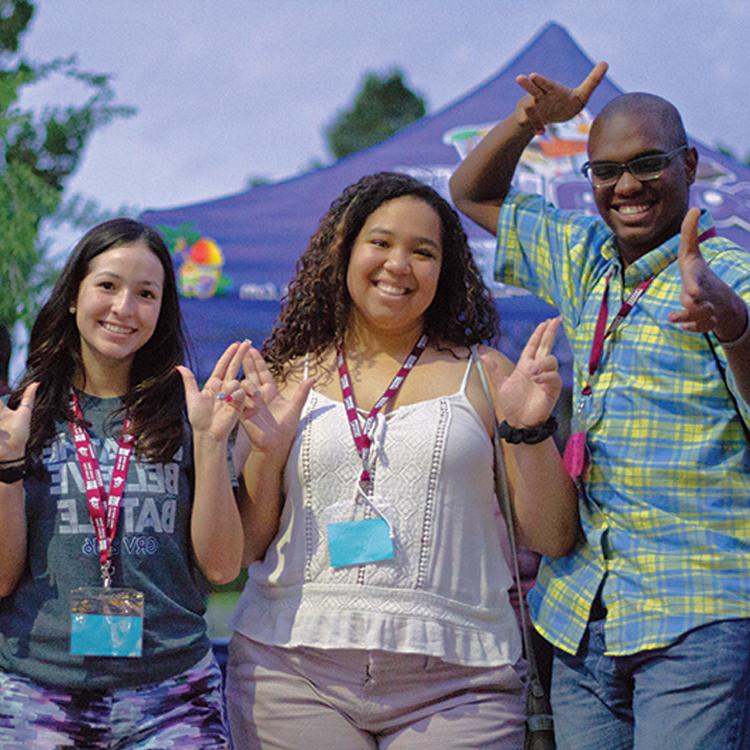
x=290, y=622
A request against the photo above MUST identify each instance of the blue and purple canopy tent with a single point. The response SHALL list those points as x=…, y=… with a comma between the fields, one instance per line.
x=236, y=254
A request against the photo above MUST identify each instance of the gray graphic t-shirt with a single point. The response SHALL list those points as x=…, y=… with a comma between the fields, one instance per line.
x=151, y=553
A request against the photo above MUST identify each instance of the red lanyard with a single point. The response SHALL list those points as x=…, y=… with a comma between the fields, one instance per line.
x=601, y=332
x=104, y=509
x=362, y=435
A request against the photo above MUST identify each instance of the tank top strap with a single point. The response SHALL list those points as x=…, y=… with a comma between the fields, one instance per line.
x=306, y=367
x=469, y=366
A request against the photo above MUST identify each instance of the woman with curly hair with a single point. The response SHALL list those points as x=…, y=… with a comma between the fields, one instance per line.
x=376, y=611
x=116, y=509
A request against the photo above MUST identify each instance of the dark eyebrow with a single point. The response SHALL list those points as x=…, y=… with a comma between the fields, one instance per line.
x=420, y=240
x=143, y=282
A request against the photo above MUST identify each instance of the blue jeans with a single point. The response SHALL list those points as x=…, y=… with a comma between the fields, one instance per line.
x=691, y=695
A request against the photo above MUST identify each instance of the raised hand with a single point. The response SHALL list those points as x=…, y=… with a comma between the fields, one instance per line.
x=549, y=101
x=528, y=395
x=215, y=409
x=269, y=419
x=15, y=425
x=708, y=303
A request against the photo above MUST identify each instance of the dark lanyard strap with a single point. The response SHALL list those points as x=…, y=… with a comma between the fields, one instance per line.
x=601, y=332
x=362, y=435
x=104, y=508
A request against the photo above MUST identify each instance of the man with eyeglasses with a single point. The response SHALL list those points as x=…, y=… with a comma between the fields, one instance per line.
x=650, y=614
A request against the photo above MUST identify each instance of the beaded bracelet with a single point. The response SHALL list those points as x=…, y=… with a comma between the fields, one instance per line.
x=528, y=435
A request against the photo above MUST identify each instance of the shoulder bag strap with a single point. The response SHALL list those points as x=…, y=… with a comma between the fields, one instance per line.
x=502, y=491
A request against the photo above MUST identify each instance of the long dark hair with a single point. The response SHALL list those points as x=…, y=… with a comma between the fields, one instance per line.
x=154, y=401
x=316, y=312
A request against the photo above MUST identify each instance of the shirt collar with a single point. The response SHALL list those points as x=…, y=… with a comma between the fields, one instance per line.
x=654, y=261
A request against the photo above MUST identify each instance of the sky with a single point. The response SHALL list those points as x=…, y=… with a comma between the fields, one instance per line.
x=226, y=89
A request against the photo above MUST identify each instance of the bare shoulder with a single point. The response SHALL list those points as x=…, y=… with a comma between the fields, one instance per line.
x=307, y=366
x=496, y=358
x=482, y=401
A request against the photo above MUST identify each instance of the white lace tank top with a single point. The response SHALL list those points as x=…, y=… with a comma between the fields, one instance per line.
x=444, y=594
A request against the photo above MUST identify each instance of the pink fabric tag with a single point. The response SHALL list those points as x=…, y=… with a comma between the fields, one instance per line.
x=574, y=457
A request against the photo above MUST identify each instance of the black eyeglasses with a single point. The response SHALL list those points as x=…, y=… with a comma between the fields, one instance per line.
x=643, y=168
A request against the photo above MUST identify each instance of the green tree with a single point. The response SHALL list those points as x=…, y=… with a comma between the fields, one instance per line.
x=257, y=180
x=727, y=151
x=39, y=151
x=383, y=105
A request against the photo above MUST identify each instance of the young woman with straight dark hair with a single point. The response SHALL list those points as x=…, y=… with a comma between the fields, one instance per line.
x=117, y=508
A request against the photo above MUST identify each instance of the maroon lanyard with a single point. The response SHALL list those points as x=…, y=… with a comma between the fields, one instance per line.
x=601, y=332
x=362, y=435
x=104, y=509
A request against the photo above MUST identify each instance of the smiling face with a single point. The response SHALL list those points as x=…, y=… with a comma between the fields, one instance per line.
x=394, y=266
x=117, y=306
x=642, y=215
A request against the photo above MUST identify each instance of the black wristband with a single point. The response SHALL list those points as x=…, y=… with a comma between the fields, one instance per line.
x=12, y=474
x=529, y=435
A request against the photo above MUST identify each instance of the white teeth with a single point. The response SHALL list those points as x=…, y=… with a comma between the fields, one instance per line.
x=388, y=289
x=116, y=329
x=632, y=209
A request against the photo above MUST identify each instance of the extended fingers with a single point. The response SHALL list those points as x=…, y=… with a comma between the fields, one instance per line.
x=223, y=363
x=541, y=340
x=29, y=396
x=255, y=366
x=27, y=400
x=689, y=236
x=584, y=90
x=235, y=363
x=188, y=380
x=549, y=334
x=532, y=84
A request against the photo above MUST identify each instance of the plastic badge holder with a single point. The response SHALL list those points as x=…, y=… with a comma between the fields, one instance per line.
x=106, y=622
x=358, y=542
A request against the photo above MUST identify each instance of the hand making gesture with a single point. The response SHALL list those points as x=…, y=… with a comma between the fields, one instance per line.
x=269, y=419
x=215, y=409
x=528, y=395
x=548, y=101
x=15, y=425
x=708, y=303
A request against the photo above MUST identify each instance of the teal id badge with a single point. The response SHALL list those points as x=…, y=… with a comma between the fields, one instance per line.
x=106, y=622
x=357, y=542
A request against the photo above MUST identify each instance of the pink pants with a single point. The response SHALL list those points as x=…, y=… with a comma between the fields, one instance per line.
x=334, y=699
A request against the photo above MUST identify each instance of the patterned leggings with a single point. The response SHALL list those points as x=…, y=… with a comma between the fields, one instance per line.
x=185, y=712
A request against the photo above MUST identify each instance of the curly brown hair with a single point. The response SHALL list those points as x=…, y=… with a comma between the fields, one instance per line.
x=316, y=312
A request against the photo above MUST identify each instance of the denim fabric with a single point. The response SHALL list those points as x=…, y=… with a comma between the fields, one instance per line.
x=691, y=695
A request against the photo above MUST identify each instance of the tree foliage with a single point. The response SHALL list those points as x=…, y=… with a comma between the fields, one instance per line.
x=383, y=105
x=727, y=151
x=39, y=151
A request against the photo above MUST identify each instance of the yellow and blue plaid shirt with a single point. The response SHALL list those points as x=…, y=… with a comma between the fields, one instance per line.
x=665, y=510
